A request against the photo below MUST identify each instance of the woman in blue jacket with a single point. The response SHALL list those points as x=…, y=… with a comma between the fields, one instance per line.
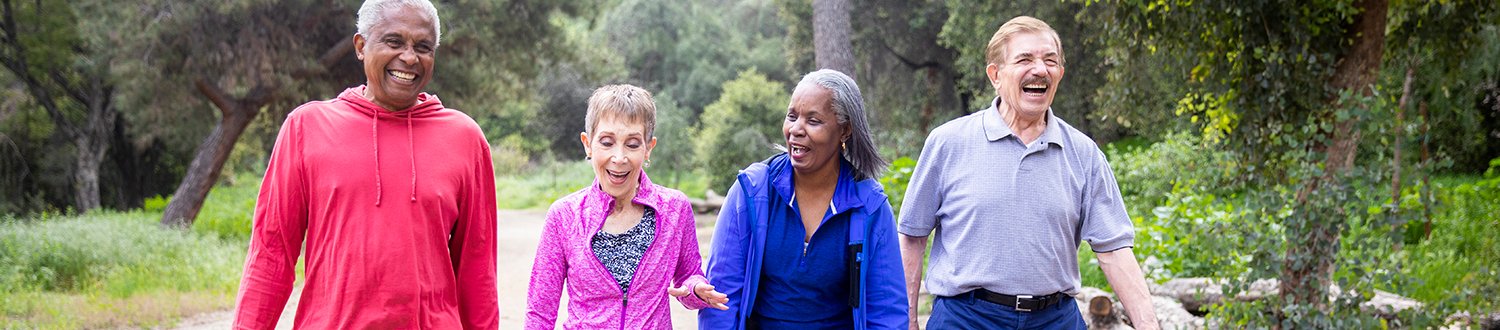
x=806, y=239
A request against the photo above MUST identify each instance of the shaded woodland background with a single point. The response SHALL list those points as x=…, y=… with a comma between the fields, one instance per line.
x=1318, y=142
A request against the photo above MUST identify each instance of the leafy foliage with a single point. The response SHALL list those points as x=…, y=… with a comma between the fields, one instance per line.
x=740, y=128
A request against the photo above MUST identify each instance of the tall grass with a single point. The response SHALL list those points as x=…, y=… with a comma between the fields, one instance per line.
x=110, y=269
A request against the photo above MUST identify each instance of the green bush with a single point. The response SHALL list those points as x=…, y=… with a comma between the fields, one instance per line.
x=1459, y=263
x=740, y=128
x=896, y=180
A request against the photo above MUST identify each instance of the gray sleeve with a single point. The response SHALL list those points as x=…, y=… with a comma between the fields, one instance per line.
x=1106, y=226
x=923, y=193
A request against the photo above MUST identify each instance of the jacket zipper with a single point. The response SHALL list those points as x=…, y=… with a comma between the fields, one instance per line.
x=624, y=294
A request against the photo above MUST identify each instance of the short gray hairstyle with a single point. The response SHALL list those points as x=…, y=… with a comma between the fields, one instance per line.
x=849, y=106
x=372, y=11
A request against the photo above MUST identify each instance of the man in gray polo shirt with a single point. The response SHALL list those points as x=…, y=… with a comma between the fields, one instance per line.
x=1008, y=193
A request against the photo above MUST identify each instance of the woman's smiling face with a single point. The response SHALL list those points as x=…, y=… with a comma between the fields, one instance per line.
x=617, y=151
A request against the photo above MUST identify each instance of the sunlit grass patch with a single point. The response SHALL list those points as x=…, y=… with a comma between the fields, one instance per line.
x=109, y=269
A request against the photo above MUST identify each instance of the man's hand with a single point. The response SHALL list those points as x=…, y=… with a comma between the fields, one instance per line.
x=704, y=292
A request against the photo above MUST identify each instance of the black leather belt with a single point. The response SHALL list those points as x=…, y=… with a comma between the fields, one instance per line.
x=1022, y=303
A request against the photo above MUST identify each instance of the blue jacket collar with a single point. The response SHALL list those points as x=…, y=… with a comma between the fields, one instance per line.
x=845, y=196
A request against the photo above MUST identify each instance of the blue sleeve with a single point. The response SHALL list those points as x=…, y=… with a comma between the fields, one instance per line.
x=726, y=264
x=885, y=287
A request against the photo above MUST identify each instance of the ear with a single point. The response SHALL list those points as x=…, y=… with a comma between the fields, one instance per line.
x=649, y=146
x=993, y=72
x=584, y=138
x=359, y=47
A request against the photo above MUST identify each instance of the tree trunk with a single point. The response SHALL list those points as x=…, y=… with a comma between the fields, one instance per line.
x=1308, y=265
x=831, y=36
x=208, y=160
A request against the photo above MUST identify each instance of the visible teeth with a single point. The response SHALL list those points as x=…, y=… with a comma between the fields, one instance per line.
x=403, y=75
x=1038, y=86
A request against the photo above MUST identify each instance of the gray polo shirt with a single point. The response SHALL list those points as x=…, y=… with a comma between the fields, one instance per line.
x=1009, y=218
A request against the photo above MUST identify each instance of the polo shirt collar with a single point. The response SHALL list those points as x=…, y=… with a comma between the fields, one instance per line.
x=995, y=127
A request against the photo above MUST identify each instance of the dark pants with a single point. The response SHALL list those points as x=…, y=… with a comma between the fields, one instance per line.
x=967, y=312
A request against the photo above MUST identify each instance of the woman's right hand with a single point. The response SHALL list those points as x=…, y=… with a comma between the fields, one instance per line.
x=704, y=292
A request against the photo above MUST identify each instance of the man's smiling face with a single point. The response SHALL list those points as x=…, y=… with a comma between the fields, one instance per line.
x=398, y=56
x=1027, y=76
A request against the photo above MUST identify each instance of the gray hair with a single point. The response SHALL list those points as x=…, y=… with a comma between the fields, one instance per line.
x=372, y=11
x=849, y=107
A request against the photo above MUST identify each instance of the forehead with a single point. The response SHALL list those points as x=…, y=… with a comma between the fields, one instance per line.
x=810, y=97
x=613, y=122
x=404, y=20
x=1031, y=44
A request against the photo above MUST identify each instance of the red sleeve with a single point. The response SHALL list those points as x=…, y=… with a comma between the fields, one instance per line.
x=276, y=235
x=472, y=247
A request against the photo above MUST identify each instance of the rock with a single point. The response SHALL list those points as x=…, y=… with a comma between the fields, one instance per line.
x=1102, y=311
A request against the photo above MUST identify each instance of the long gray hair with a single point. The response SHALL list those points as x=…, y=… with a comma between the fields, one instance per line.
x=373, y=11
x=849, y=106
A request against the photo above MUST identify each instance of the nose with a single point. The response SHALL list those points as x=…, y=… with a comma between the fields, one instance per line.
x=408, y=55
x=618, y=156
x=797, y=127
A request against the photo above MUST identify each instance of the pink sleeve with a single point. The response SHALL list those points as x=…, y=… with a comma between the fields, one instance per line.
x=473, y=248
x=548, y=271
x=276, y=234
x=689, y=263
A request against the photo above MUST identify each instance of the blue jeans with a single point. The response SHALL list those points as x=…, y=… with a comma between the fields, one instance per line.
x=967, y=312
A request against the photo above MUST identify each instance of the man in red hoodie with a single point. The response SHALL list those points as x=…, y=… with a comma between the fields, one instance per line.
x=393, y=194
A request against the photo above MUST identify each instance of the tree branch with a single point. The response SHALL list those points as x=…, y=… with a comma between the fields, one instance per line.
x=217, y=96
x=914, y=65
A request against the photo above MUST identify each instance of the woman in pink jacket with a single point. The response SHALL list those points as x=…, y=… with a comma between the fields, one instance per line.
x=623, y=244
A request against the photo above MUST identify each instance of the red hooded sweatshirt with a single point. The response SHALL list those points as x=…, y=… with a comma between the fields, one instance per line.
x=397, y=209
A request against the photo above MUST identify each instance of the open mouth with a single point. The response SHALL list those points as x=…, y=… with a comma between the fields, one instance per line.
x=617, y=176
x=1034, y=88
x=796, y=150
x=405, y=77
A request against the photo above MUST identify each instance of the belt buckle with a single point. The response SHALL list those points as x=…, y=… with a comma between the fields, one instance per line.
x=1018, y=303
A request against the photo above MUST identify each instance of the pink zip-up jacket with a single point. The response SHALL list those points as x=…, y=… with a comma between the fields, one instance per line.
x=565, y=254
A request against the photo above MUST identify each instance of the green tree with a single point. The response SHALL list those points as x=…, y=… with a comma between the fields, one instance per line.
x=238, y=56
x=740, y=128
x=66, y=72
x=1289, y=87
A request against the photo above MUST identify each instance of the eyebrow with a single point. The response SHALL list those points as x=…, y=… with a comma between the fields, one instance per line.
x=1022, y=55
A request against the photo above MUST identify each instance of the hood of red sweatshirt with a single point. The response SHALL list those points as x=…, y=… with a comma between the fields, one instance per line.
x=427, y=105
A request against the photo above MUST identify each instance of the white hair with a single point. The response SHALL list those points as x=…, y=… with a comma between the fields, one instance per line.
x=373, y=11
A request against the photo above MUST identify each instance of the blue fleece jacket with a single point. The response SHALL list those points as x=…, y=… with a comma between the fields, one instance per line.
x=739, y=245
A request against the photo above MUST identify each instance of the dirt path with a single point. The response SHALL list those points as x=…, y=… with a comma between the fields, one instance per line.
x=518, y=235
